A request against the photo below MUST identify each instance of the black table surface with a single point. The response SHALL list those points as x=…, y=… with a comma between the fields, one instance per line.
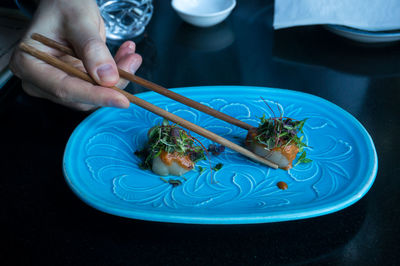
x=42, y=222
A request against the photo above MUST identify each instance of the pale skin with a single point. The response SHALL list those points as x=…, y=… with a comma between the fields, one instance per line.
x=76, y=23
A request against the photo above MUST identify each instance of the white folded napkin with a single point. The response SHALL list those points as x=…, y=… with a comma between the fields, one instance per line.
x=372, y=15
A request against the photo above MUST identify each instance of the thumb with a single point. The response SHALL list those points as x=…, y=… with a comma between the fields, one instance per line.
x=96, y=57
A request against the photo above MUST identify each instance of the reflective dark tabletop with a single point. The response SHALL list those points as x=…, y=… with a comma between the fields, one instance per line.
x=43, y=223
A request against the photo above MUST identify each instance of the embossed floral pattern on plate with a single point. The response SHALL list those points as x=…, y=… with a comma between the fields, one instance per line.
x=101, y=168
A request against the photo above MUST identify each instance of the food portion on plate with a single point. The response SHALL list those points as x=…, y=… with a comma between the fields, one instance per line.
x=276, y=139
x=170, y=150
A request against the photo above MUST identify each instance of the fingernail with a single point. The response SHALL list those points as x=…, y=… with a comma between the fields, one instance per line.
x=129, y=45
x=106, y=73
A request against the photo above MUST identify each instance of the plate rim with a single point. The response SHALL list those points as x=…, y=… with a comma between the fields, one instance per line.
x=363, y=36
x=364, y=32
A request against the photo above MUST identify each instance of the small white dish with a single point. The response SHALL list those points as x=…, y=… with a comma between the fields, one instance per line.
x=203, y=13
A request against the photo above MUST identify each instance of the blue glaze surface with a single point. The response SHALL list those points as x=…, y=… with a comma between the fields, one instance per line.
x=100, y=167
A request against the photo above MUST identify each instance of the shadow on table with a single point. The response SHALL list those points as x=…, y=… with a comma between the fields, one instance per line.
x=303, y=241
x=84, y=235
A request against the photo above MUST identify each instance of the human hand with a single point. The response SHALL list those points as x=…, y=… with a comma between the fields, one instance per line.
x=76, y=23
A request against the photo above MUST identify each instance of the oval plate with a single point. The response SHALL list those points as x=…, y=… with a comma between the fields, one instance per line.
x=101, y=168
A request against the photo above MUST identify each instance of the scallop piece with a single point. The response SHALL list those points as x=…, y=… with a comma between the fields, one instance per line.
x=160, y=168
x=282, y=156
x=171, y=164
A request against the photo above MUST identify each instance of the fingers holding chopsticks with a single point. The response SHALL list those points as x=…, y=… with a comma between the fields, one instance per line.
x=89, y=45
x=70, y=91
x=44, y=81
x=62, y=21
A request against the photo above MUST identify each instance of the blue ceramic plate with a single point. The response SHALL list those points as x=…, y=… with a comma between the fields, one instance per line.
x=101, y=168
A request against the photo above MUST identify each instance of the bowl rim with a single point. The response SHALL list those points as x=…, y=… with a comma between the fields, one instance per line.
x=232, y=6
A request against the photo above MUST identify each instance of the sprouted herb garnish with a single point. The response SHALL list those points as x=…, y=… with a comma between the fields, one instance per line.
x=201, y=169
x=217, y=167
x=275, y=132
x=303, y=159
x=173, y=182
x=169, y=138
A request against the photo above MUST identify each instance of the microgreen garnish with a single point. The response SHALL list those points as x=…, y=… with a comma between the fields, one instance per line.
x=201, y=169
x=217, y=167
x=276, y=132
x=303, y=159
x=163, y=179
x=169, y=138
x=173, y=182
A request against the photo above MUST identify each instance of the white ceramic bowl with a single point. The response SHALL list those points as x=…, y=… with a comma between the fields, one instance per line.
x=203, y=13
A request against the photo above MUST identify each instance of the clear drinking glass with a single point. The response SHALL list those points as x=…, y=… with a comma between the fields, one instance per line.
x=125, y=19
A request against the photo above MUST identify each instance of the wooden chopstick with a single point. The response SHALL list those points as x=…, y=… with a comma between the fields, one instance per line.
x=152, y=86
x=54, y=61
